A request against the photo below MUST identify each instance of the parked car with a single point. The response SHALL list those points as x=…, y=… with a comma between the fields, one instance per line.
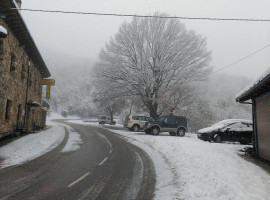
x=236, y=130
x=175, y=125
x=104, y=119
x=135, y=122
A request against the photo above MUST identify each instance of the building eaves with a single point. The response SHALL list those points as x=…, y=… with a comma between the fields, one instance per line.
x=257, y=88
x=17, y=26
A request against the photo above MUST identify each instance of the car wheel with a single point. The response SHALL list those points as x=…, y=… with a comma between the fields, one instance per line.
x=136, y=128
x=217, y=138
x=172, y=133
x=181, y=132
x=155, y=130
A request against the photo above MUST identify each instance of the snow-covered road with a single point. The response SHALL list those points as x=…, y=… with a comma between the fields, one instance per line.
x=188, y=168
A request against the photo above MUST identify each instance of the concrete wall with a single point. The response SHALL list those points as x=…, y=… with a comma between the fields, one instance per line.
x=263, y=126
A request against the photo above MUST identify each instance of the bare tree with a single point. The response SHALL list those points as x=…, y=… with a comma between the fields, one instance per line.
x=149, y=57
x=108, y=98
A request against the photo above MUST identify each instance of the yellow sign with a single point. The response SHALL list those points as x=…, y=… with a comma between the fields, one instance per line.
x=48, y=82
x=48, y=92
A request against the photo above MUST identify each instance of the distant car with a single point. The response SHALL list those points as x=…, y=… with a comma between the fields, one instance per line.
x=235, y=130
x=175, y=125
x=136, y=122
x=104, y=119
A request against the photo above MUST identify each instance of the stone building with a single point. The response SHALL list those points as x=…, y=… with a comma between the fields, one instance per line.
x=22, y=71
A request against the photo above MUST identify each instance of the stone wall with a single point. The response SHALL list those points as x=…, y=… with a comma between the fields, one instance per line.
x=14, y=64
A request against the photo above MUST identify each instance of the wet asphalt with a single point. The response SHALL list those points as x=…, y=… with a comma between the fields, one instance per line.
x=104, y=167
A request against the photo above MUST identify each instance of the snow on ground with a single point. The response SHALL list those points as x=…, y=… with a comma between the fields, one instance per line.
x=34, y=145
x=74, y=141
x=86, y=122
x=31, y=146
x=191, y=169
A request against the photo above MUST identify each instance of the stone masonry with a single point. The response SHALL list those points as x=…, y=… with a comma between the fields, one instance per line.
x=20, y=83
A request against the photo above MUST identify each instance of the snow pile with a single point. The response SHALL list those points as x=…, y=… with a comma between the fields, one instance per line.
x=74, y=141
x=188, y=168
x=31, y=146
x=3, y=30
x=253, y=84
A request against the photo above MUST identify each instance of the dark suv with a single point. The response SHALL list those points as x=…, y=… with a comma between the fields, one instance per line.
x=175, y=125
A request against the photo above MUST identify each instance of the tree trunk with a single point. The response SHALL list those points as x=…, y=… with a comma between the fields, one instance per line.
x=153, y=111
x=111, y=113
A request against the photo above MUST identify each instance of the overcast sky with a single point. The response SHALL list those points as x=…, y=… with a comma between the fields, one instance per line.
x=84, y=35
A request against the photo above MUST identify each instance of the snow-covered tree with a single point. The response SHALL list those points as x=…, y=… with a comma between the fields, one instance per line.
x=108, y=98
x=150, y=57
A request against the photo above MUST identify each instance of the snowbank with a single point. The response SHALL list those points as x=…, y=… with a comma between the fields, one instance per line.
x=191, y=169
x=31, y=146
x=74, y=141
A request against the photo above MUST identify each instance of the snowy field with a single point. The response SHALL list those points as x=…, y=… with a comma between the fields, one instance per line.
x=191, y=169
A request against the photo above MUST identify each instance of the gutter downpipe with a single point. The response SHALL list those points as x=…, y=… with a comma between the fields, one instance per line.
x=254, y=113
x=26, y=95
x=242, y=102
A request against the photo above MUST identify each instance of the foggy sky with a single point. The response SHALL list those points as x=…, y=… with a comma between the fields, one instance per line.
x=84, y=35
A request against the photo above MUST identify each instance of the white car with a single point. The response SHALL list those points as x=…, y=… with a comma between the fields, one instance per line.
x=104, y=119
x=135, y=122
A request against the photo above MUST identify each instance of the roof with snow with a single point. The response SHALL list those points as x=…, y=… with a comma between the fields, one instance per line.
x=257, y=88
x=17, y=26
x=3, y=31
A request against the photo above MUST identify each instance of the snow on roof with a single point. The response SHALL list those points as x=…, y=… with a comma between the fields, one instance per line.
x=15, y=3
x=227, y=121
x=3, y=30
x=222, y=124
x=253, y=84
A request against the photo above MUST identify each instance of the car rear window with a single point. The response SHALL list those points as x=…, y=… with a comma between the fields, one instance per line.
x=142, y=118
x=135, y=117
x=102, y=117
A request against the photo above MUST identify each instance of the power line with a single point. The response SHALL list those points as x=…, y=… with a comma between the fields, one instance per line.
x=149, y=16
x=240, y=59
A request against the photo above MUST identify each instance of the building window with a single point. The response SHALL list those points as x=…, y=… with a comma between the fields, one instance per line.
x=1, y=49
x=19, y=113
x=12, y=63
x=35, y=85
x=23, y=73
x=8, y=109
x=30, y=80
